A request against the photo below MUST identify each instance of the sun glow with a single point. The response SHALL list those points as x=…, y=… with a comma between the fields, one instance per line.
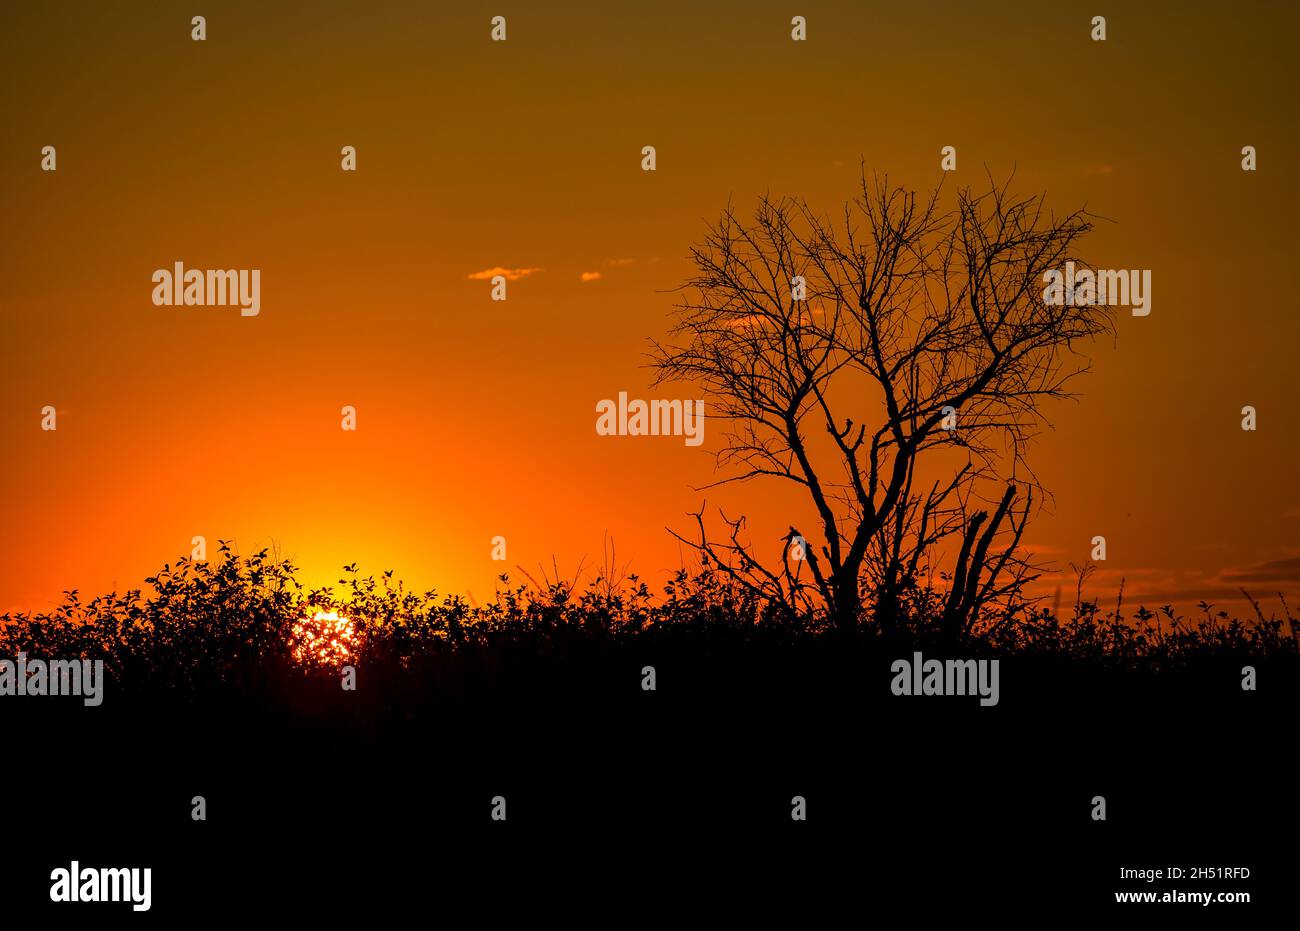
x=325, y=639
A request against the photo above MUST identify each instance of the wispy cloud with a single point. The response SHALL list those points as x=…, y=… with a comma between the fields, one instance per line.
x=1278, y=570
x=510, y=274
x=1042, y=549
x=1151, y=586
x=619, y=261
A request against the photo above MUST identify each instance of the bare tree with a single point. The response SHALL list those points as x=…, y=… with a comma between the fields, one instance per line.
x=840, y=353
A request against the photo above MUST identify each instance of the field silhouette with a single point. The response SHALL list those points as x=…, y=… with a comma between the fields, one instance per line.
x=536, y=696
x=246, y=625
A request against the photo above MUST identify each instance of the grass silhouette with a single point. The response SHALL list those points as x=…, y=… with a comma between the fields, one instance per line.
x=245, y=623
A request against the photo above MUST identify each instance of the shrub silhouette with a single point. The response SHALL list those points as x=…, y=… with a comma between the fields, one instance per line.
x=230, y=624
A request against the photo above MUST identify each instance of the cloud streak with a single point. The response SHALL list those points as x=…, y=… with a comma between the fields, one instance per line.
x=510, y=274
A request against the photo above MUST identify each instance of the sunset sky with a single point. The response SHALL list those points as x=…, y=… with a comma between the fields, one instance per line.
x=476, y=418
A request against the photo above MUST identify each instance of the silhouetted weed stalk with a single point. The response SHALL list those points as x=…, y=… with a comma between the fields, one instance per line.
x=235, y=620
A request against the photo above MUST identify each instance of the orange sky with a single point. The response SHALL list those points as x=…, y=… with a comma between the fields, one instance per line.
x=477, y=418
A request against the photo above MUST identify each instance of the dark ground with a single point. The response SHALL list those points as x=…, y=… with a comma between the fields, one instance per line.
x=672, y=806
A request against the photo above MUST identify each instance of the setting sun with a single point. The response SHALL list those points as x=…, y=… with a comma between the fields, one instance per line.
x=324, y=639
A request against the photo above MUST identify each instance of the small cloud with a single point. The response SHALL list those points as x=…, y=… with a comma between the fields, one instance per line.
x=591, y=276
x=620, y=261
x=510, y=274
x=1099, y=169
x=1293, y=512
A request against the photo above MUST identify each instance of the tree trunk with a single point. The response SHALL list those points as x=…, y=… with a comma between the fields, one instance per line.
x=848, y=599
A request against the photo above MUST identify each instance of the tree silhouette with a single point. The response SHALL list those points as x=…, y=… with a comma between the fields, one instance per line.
x=840, y=353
